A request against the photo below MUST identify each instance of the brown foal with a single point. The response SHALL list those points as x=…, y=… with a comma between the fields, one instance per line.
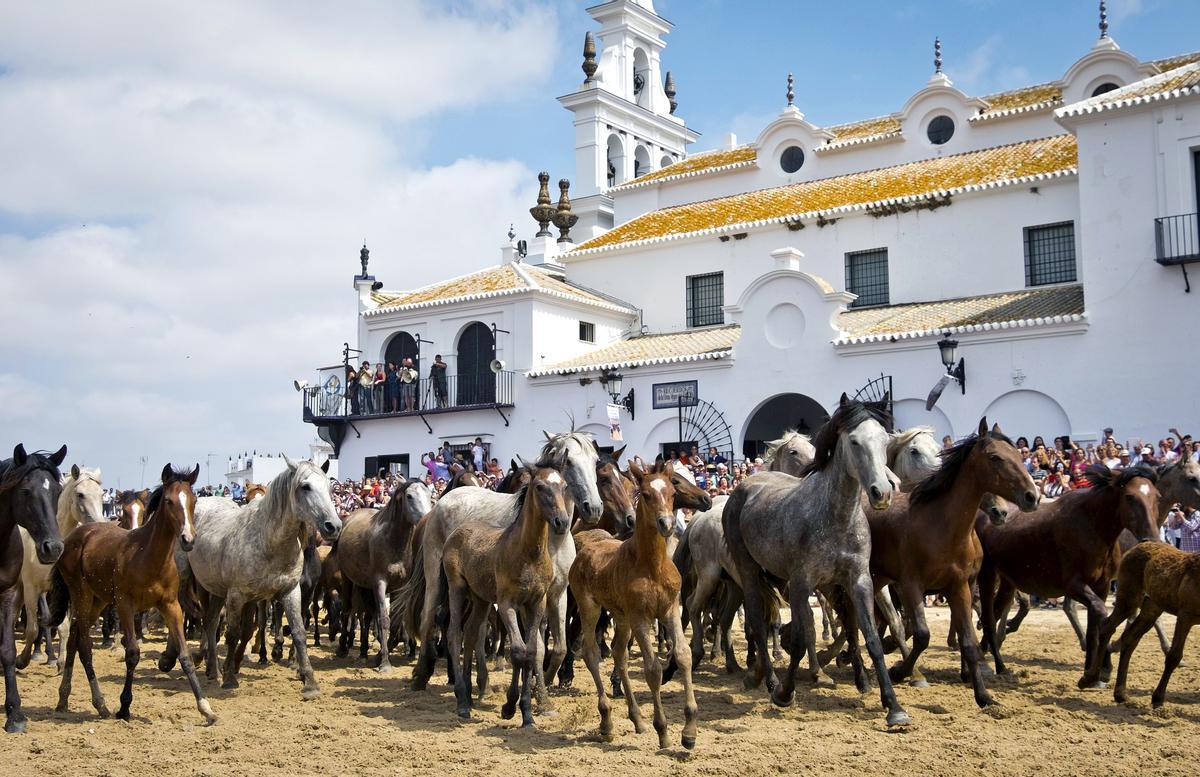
x=103, y=563
x=636, y=581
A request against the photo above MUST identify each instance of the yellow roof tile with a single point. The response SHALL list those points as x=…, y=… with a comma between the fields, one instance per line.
x=998, y=166
x=1170, y=63
x=864, y=131
x=966, y=313
x=696, y=164
x=1172, y=83
x=692, y=345
x=1021, y=100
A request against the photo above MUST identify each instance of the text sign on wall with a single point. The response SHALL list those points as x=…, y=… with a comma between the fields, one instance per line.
x=668, y=395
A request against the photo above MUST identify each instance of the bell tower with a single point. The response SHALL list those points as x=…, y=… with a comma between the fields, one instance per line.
x=625, y=122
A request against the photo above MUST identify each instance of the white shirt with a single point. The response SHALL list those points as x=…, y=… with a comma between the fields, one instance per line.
x=477, y=454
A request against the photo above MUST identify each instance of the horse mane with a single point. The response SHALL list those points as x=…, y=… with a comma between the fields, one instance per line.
x=1100, y=476
x=941, y=480
x=903, y=437
x=11, y=475
x=554, y=452
x=176, y=476
x=274, y=502
x=845, y=418
x=774, y=446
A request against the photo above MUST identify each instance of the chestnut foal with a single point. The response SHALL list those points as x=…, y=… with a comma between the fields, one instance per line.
x=636, y=581
x=103, y=563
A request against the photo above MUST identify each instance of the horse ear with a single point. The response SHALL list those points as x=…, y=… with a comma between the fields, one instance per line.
x=595, y=445
x=548, y=435
x=19, y=455
x=512, y=465
x=887, y=398
x=290, y=463
x=983, y=426
x=617, y=454
x=58, y=457
x=636, y=470
x=845, y=400
x=194, y=475
x=96, y=473
x=996, y=429
x=325, y=466
x=166, y=473
x=144, y=494
x=75, y=471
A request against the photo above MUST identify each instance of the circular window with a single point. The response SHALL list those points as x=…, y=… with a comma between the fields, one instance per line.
x=940, y=130
x=1107, y=86
x=792, y=159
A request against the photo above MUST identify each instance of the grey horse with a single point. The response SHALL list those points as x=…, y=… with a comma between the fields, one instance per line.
x=811, y=533
x=249, y=553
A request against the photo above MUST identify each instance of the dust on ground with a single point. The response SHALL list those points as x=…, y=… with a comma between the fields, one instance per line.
x=366, y=723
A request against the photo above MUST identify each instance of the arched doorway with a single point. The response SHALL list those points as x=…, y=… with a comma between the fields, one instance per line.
x=402, y=346
x=1029, y=414
x=476, y=383
x=778, y=414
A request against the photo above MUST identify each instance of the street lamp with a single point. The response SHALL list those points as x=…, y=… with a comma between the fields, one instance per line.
x=612, y=382
x=948, y=347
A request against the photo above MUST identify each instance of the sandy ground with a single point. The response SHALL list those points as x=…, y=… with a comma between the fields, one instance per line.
x=365, y=723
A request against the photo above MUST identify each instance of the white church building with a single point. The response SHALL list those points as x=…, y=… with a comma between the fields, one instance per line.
x=724, y=296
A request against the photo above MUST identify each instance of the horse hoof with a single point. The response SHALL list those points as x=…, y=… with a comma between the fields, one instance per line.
x=897, y=674
x=508, y=710
x=986, y=701
x=689, y=742
x=1099, y=685
x=22, y=662
x=103, y=712
x=311, y=692
x=464, y=714
x=15, y=726
x=898, y=718
x=1119, y=696
x=262, y=661
x=230, y=684
x=985, y=670
x=823, y=680
x=781, y=699
x=639, y=727
x=384, y=669
x=922, y=683
x=122, y=714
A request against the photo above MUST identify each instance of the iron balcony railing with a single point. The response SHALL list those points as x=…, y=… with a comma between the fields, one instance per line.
x=1177, y=239
x=330, y=399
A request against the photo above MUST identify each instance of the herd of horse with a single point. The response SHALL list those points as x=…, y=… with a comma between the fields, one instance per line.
x=575, y=553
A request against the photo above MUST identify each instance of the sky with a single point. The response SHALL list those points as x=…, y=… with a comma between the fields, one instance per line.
x=184, y=187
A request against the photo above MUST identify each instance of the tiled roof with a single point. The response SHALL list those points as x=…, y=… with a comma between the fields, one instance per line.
x=697, y=164
x=690, y=346
x=498, y=281
x=859, y=132
x=1169, y=85
x=1170, y=63
x=976, y=170
x=1024, y=100
x=1009, y=310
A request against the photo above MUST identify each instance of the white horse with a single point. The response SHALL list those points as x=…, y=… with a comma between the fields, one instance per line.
x=81, y=502
x=574, y=455
x=244, y=554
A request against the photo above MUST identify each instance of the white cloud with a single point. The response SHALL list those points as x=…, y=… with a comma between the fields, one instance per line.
x=210, y=172
x=982, y=73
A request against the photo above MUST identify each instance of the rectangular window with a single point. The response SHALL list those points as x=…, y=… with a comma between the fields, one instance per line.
x=705, y=298
x=587, y=331
x=867, y=276
x=1050, y=254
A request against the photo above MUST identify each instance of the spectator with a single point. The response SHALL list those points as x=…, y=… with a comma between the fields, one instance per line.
x=478, y=454
x=1055, y=486
x=408, y=386
x=377, y=388
x=437, y=376
x=1188, y=527
x=366, y=395
x=393, y=387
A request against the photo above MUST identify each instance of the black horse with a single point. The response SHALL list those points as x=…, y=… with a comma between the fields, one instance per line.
x=29, y=491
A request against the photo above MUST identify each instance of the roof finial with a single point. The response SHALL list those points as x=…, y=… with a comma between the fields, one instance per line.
x=937, y=55
x=791, y=93
x=543, y=211
x=364, y=256
x=589, y=57
x=512, y=235
x=1103, y=19
x=669, y=91
x=564, y=219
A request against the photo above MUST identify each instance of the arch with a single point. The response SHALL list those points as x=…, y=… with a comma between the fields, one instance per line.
x=476, y=384
x=911, y=412
x=641, y=73
x=641, y=161
x=402, y=346
x=665, y=161
x=1029, y=413
x=775, y=415
x=616, y=160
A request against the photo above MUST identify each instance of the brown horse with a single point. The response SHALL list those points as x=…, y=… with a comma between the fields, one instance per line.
x=511, y=567
x=1067, y=548
x=253, y=491
x=515, y=479
x=617, y=492
x=1156, y=578
x=636, y=581
x=136, y=570
x=925, y=540
x=132, y=506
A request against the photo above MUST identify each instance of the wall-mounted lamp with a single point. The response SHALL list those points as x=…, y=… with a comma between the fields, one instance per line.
x=612, y=382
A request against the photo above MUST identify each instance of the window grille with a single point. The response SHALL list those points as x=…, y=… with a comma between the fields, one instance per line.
x=1050, y=254
x=867, y=276
x=705, y=299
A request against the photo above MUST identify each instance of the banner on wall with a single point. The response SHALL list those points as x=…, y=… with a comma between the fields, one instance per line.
x=614, y=422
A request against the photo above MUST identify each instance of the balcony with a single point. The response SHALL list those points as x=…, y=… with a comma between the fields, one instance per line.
x=328, y=401
x=1177, y=239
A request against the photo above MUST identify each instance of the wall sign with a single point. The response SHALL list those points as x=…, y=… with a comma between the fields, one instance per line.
x=667, y=396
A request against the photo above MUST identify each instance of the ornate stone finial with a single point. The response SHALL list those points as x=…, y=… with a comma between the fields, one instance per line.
x=512, y=235
x=564, y=219
x=1103, y=19
x=791, y=93
x=669, y=90
x=364, y=256
x=937, y=55
x=543, y=211
x=589, y=57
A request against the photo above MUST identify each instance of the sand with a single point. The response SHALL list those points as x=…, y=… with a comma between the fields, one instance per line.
x=366, y=723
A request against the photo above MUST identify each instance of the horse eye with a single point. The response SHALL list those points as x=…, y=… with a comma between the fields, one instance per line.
x=915, y=452
x=306, y=487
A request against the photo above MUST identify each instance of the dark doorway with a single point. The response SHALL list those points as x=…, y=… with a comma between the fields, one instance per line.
x=382, y=466
x=777, y=415
x=402, y=346
x=476, y=382
x=680, y=448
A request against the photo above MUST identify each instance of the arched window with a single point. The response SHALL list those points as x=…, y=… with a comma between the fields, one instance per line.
x=476, y=382
x=402, y=346
x=616, y=160
x=641, y=78
x=666, y=160
x=641, y=161
x=1107, y=86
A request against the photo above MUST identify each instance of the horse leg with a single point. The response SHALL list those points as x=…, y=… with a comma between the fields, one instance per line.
x=14, y=718
x=64, y=686
x=236, y=612
x=516, y=651
x=427, y=659
x=1129, y=641
x=683, y=660
x=959, y=597
x=861, y=596
x=1096, y=615
x=473, y=641
x=589, y=614
x=861, y=681
x=913, y=599
x=212, y=625
x=172, y=615
x=653, y=673
x=133, y=653
x=260, y=638
x=729, y=607
x=248, y=628
x=43, y=607
x=1011, y=626
x=620, y=656
x=782, y=694
x=295, y=617
x=1125, y=607
x=382, y=625
x=33, y=630
x=757, y=627
x=535, y=617
x=276, y=610
x=1183, y=625
x=566, y=672
x=456, y=601
x=1068, y=608
x=989, y=595
x=556, y=615
x=697, y=603
x=86, y=618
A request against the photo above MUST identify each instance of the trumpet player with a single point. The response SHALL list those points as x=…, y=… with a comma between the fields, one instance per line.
x=408, y=385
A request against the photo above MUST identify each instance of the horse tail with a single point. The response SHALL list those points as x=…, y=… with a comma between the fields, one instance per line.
x=59, y=599
x=411, y=600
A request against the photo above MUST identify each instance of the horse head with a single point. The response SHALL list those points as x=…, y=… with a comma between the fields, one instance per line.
x=31, y=484
x=176, y=501
x=790, y=453
x=913, y=454
x=1136, y=492
x=656, y=494
x=995, y=508
x=308, y=491
x=573, y=454
x=1179, y=483
x=858, y=432
x=254, y=491
x=548, y=494
x=615, y=495
x=416, y=500
x=996, y=464
x=83, y=495
x=688, y=495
